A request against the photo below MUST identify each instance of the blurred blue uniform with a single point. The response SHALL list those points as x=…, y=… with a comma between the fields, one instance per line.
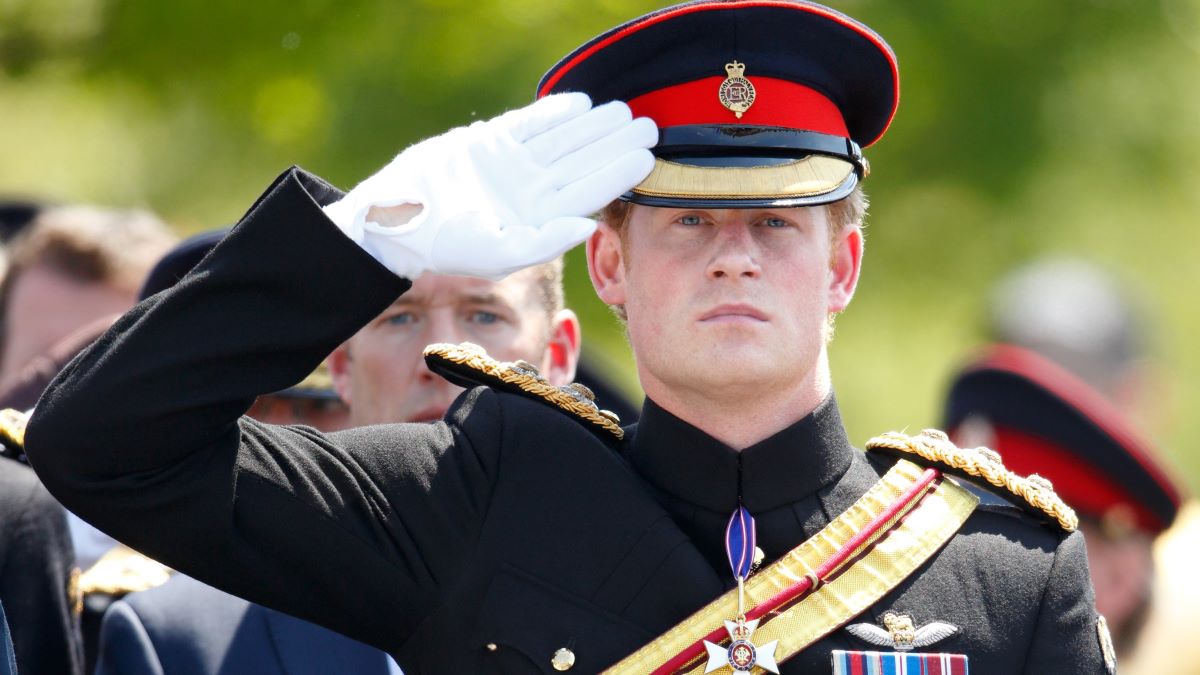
x=187, y=628
x=8, y=660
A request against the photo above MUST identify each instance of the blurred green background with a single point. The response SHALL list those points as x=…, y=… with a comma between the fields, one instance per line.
x=1025, y=128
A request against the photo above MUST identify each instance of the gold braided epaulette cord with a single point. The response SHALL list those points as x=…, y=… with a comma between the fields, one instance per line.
x=12, y=428
x=574, y=398
x=123, y=570
x=934, y=446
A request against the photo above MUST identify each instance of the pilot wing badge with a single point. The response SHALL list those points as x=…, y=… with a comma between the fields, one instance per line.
x=899, y=632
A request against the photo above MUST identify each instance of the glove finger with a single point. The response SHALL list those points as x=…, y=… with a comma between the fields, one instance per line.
x=543, y=114
x=638, y=134
x=535, y=245
x=594, y=191
x=475, y=245
x=578, y=132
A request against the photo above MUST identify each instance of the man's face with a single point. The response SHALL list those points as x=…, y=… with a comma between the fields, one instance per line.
x=1122, y=568
x=727, y=302
x=45, y=306
x=381, y=373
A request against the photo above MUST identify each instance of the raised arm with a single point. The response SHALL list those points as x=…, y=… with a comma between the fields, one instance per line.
x=142, y=434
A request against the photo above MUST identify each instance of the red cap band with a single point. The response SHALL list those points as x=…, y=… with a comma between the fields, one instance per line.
x=1081, y=485
x=777, y=103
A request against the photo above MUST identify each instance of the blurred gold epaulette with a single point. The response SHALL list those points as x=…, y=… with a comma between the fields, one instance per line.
x=123, y=570
x=933, y=447
x=12, y=428
x=468, y=364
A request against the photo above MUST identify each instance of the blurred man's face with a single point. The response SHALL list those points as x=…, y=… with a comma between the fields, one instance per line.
x=45, y=306
x=1122, y=570
x=381, y=373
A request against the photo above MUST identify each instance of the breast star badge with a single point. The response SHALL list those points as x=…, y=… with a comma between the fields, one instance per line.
x=901, y=634
x=741, y=655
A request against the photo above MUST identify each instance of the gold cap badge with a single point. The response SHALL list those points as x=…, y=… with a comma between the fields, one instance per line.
x=736, y=92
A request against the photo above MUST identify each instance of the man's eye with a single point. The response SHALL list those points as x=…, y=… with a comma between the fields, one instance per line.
x=689, y=220
x=485, y=318
x=401, y=319
x=775, y=222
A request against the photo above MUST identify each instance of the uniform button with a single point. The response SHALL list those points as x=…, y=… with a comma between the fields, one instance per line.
x=563, y=659
x=491, y=646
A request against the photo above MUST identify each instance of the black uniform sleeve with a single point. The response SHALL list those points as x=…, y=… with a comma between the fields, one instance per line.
x=142, y=435
x=36, y=566
x=1066, y=638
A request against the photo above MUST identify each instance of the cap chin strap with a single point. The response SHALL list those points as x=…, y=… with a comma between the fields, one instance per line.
x=745, y=145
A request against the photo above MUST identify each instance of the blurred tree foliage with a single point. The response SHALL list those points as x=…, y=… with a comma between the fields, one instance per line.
x=1025, y=128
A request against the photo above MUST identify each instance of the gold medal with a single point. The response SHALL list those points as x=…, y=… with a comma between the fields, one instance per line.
x=741, y=655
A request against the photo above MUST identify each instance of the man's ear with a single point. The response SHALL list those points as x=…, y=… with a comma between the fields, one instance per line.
x=339, y=371
x=845, y=265
x=606, y=265
x=562, y=350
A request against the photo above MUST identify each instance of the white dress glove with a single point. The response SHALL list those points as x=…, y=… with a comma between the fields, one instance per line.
x=498, y=196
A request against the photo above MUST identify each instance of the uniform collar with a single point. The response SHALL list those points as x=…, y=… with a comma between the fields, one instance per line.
x=689, y=464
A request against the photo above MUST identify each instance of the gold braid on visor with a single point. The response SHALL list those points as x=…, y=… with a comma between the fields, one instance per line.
x=808, y=177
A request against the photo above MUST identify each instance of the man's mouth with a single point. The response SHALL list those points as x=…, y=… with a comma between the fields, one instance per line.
x=733, y=313
x=430, y=414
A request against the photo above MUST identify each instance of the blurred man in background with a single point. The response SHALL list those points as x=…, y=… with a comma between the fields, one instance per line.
x=380, y=372
x=187, y=627
x=38, y=577
x=1078, y=315
x=71, y=272
x=1043, y=420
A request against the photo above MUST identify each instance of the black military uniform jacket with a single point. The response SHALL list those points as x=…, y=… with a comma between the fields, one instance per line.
x=37, y=571
x=488, y=541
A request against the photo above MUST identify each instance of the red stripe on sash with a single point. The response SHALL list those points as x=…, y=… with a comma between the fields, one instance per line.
x=907, y=499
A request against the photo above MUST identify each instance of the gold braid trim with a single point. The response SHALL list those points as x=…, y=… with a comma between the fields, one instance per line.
x=934, y=446
x=12, y=427
x=122, y=570
x=813, y=175
x=574, y=398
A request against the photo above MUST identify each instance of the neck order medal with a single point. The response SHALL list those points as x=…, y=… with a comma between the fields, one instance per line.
x=741, y=655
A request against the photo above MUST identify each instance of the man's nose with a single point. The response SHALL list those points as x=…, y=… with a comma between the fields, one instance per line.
x=735, y=255
x=440, y=327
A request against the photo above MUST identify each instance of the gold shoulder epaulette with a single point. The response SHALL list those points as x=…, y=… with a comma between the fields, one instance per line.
x=12, y=428
x=123, y=570
x=468, y=363
x=934, y=447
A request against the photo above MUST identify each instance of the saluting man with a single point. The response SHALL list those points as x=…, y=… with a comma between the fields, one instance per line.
x=527, y=531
